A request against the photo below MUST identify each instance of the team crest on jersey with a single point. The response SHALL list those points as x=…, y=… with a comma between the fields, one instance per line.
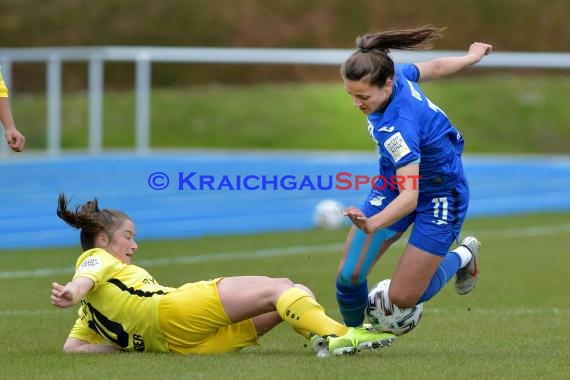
x=90, y=264
x=396, y=146
x=377, y=201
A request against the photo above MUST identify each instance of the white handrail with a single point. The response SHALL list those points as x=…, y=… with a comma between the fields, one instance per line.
x=144, y=56
x=266, y=55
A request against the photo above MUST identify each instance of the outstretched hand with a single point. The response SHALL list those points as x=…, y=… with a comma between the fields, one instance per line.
x=61, y=296
x=357, y=218
x=479, y=50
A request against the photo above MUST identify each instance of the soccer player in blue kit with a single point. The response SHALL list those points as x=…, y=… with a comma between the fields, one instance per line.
x=415, y=140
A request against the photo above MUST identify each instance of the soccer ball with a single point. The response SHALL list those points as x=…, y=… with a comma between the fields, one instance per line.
x=387, y=317
x=328, y=214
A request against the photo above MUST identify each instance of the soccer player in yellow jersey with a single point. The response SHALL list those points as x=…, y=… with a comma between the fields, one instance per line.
x=14, y=138
x=123, y=308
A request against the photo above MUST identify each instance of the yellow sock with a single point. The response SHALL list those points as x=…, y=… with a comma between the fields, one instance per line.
x=300, y=310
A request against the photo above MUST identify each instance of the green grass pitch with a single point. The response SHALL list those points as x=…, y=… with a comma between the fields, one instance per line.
x=514, y=325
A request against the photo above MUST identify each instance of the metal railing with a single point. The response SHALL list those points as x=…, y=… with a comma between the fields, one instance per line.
x=144, y=57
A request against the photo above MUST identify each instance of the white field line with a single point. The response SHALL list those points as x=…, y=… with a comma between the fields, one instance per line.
x=36, y=312
x=502, y=312
x=509, y=312
x=283, y=252
x=209, y=257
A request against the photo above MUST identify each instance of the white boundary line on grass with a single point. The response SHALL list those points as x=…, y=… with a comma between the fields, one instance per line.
x=15, y=313
x=508, y=312
x=279, y=252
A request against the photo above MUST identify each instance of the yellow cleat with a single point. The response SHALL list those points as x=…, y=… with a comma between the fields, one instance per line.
x=359, y=338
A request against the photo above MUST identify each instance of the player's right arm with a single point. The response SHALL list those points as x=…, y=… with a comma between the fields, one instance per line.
x=14, y=138
x=72, y=293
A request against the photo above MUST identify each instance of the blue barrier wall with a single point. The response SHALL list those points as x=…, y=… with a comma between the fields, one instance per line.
x=284, y=199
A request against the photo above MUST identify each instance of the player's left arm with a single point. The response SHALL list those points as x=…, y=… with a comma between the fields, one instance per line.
x=79, y=345
x=441, y=67
x=407, y=179
x=83, y=338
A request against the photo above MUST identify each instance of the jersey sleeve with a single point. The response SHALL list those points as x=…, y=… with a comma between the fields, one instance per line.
x=96, y=265
x=408, y=71
x=3, y=88
x=401, y=148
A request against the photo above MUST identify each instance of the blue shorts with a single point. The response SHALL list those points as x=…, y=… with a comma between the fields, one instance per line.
x=437, y=220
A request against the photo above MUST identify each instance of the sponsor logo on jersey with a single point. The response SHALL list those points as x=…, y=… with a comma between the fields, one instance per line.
x=386, y=129
x=90, y=264
x=397, y=147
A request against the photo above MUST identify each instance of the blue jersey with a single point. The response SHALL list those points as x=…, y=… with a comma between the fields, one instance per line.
x=412, y=129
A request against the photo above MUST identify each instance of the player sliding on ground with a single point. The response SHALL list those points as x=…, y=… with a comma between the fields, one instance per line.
x=123, y=308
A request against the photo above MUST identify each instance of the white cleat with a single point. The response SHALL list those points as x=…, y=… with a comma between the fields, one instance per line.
x=320, y=346
x=466, y=278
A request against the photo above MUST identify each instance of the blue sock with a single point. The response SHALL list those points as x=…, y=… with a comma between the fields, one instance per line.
x=446, y=270
x=352, y=301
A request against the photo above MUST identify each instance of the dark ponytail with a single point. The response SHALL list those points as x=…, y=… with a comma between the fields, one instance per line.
x=372, y=62
x=91, y=220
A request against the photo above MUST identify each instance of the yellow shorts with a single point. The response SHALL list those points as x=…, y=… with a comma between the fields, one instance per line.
x=194, y=321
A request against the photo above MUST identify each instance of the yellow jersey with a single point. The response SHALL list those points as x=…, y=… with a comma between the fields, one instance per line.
x=3, y=88
x=122, y=306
